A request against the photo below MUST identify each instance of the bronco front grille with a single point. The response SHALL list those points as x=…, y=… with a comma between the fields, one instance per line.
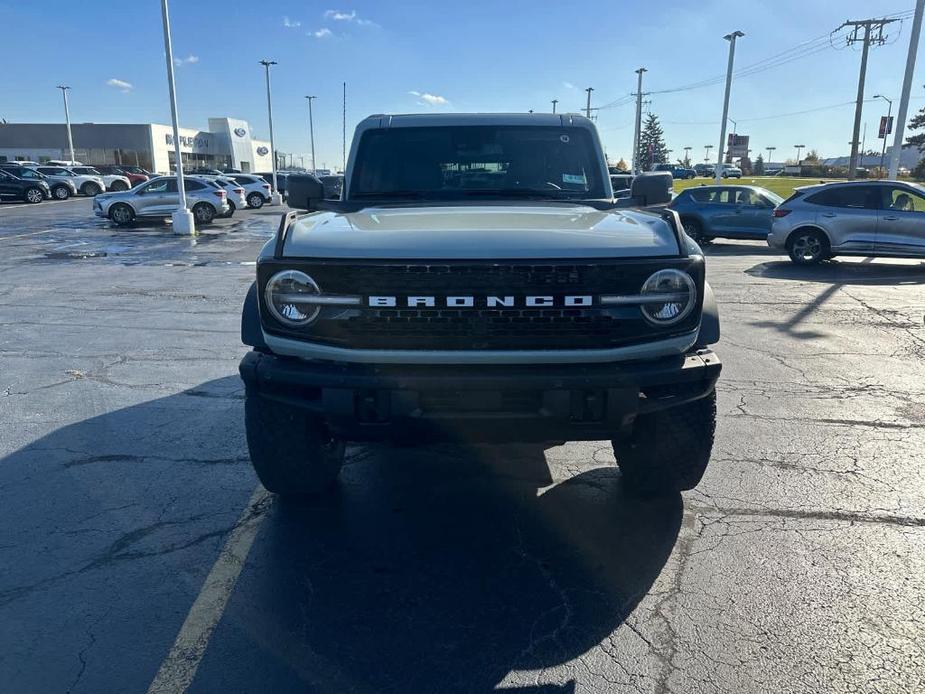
x=480, y=327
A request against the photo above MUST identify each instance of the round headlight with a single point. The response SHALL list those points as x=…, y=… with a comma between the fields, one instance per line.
x=285, y=296
x=673, y=297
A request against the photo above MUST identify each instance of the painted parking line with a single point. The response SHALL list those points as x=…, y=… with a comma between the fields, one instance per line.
x=31, y=233
x=177, y=671
x=35, y=205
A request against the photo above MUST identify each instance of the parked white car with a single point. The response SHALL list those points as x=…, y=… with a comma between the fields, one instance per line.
x=234, y=193
x=256, y=190
x=88, y=184
x=113, y=182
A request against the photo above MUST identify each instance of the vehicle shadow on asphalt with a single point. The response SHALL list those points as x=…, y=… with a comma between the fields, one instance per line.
x=729, y=248
x=442, y=569
x=843, y=272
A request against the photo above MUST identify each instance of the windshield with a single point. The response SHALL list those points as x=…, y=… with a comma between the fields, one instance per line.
x=87, y=170
x=454, y=162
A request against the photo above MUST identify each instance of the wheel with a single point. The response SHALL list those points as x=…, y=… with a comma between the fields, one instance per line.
x=121, y=214
x=61, y=192
x=694, y=229
x=255, y=200
x=668, y=451
x=33, y=195
x=119, y=185
x=808, y=247
x=231, y=209
x=291, y=451
x=204, y=213
x=90, y=189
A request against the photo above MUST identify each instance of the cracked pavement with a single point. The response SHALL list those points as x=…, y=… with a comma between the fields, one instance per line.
x=797, y=565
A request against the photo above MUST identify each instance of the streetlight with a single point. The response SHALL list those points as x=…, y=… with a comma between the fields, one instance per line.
x=799, y=149
x=770, y=149
x=735, y=128
x=886, y=130
x=67, y=119
x=182, y=217
x=554, y=102
x=707, y=149
x=275, y=198
x=731, y=38
x=311, y=128
x=687, y=156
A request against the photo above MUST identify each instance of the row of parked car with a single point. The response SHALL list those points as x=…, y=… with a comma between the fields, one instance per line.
x=33, y=182
x=818, y=222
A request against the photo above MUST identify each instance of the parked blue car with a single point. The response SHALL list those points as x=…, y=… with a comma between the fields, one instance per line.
x=677, y=171
x=732, y=212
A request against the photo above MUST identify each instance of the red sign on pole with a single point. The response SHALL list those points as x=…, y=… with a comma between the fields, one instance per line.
x=886, y=126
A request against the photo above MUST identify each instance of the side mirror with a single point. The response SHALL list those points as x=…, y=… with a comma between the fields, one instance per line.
x=652, y=188
x=305, y=191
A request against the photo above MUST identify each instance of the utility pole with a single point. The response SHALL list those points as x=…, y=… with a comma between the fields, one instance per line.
x=311, y=129
x=344, y=141
x=588, y=107
x=554, y=102
x=886, y=128
x=799, y=149
x=67, y=120
x=182, y=218
x=872, y=30
x=720, y=158
x=275, y=197
x=638, y=131
x=907, y=87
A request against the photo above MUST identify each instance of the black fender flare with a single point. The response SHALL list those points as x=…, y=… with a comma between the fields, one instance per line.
x=251, y=333
x=709, y=319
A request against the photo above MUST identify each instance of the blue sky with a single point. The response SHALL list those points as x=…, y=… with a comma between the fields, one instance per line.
x=422, y=55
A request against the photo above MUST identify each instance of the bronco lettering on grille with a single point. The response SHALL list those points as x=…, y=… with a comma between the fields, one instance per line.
x=541, y=301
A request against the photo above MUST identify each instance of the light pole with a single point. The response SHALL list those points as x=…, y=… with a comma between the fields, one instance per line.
x=67, y=120
x=886, y=130
x=554, y=102
x=799, y=149
x=275, y=198
x=707, y=149
x=735, y=129
x=182, y=217
x=687, y=156
x=720, y=159
x=588, y=107
x=638, y=132
x=311, y=128
x=770, y=149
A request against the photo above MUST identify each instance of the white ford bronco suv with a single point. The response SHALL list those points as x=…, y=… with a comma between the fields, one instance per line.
x=477, y=281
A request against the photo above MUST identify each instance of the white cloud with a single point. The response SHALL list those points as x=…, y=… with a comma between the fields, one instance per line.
x=321, y=33
x=568, y=85
x=126, y=87
x=290, y=23
x=341, y=15
x=430, y=99
x=188, y=60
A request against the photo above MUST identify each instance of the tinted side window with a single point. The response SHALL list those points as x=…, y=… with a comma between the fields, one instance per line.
x=193, y=185
x=857, y=197
x=903, y=200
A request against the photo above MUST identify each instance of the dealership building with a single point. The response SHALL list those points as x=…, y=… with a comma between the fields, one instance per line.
x=228, y=143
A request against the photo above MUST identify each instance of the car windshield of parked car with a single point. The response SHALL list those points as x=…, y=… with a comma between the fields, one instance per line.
x=28, y=173
x=471, y=161
x=54, y=171
x=88, y=170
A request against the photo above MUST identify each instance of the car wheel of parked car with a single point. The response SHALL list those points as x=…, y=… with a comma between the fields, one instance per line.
x=119, y=185
x=204, y=213
x=90, y=189
x=61, y=192
x=694, y=229
x=121, y=214
x=667, y=451
x=231, y=209
x=808, y=247
x=255, y=200
x=33, y=195
x=292, y=452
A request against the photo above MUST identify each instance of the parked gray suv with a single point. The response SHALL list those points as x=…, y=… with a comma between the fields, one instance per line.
x=159, y=198
x=862, y=218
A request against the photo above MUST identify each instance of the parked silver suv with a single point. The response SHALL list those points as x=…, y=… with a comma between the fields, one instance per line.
x=865, y=218
x=159, y=198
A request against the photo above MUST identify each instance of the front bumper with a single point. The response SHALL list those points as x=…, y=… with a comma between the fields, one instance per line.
x=543, y=402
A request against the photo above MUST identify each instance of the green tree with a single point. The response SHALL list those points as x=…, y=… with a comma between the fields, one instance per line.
x=759, y=165
x=918, y=123
x=652, y=147
x=622, y=166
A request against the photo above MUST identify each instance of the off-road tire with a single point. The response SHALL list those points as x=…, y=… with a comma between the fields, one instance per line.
x=291, y=451
x=255, y=200
x=60, y=192
x=667, y=451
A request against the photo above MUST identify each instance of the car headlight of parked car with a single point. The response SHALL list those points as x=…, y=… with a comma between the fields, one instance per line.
x=291, y=297
x=674, y=295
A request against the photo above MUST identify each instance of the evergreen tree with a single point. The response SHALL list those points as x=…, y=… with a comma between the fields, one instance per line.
x=918, y=123
x=759, y=165
x=652, y=147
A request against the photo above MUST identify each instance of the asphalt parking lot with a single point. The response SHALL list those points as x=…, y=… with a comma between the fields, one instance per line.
x=138, y=550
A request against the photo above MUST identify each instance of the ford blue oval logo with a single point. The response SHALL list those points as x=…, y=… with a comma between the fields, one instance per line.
x=262, y=151
x=240, y=132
